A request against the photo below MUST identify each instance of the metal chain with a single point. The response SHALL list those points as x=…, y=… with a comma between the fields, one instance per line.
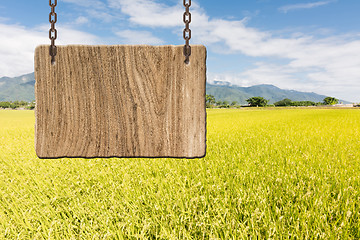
x=53, y=31
x=187, y=31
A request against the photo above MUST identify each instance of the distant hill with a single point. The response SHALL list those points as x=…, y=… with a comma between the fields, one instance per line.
x=17, y=88
x=22, y=88
x=225, y=91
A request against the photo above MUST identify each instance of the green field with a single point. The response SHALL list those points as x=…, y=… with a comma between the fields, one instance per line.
x=268, y=174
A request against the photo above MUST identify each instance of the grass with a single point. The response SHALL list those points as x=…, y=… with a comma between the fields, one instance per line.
x=268, y=174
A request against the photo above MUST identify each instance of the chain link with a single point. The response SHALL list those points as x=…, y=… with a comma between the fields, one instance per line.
x=53, y=31
x=187, y=31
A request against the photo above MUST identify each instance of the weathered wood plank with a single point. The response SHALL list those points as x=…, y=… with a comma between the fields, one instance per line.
x=120, y=101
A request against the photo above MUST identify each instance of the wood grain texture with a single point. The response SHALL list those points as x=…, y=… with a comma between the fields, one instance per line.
x=120, y=101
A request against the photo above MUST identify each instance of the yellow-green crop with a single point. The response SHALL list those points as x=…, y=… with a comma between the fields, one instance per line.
x=268, y=174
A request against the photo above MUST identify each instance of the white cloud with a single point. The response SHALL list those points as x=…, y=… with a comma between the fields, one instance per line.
x=18, y=43
x=17, y=46
x=81, y=20
x=93, y=9
x=4, y=19
x=101, y=15
x=287, y=8
x=97, y=4
x=150, y=13
x=67, y=35
x=138, y=37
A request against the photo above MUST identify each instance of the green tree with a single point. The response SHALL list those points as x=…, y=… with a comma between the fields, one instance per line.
x=234, y=103
x=31, y=105
x=283, y=103
x=13, y=105
x=330, y=101
x=303, y=103
x=225, y=104
x=4, y=105
x=210, y=101
x=219, y=103
x=23, y=103
x=257, y=101
x=222, y=104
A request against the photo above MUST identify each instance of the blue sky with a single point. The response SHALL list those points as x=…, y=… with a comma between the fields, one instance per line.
x=303, y=45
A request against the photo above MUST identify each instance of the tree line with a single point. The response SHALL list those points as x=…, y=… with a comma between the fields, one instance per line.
x=262, y=102
x=288, y=102
x=17, y=104
x=211, y=102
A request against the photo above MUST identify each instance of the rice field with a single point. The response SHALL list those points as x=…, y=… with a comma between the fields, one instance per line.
x=268, y=174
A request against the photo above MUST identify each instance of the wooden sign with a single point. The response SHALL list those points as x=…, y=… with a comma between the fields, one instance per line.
x=120, y=101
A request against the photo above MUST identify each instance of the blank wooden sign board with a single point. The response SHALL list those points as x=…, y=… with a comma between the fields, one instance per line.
x=120, y=101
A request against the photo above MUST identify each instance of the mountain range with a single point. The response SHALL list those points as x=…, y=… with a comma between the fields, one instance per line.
x=22, y=88
x=225, y=91
x=17, y=88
